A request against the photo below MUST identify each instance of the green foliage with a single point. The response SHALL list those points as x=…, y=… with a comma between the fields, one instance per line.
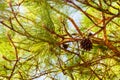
x=33, y=32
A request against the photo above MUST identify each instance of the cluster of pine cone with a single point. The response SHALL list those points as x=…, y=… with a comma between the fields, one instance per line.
x=85, y=44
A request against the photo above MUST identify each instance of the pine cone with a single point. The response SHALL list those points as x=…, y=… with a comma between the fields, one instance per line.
x=86, y=44
x=65, y=46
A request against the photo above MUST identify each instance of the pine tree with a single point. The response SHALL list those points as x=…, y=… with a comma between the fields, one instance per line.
x=52, y=40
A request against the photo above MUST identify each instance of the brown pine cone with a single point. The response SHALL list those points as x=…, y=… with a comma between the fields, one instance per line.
x=86, y=44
